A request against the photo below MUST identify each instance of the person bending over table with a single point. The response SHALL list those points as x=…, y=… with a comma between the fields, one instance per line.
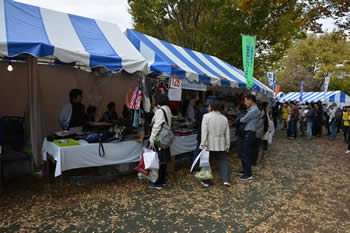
x=73, y=115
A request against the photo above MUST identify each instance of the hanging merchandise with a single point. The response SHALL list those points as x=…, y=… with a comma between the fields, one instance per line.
x=135, y=123
x=136, y=99
x=128, y=98
x=146, y=104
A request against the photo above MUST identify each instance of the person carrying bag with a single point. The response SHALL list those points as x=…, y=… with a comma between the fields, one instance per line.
x=161, y=138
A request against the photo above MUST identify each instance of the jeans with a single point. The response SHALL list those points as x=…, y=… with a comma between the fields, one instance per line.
x=246, y=151
x=223, y=164
x=293, y=128
x=333, y=129
x=309, y=128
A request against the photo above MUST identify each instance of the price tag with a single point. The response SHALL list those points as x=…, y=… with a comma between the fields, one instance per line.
x=175, y=82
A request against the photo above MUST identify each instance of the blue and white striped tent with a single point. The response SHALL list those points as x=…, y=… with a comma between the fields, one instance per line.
x=27, y=29
x=170, y=59
x=337, y=97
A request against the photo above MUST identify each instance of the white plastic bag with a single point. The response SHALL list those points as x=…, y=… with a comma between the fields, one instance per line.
x=151, y=159
x=152, y=176
x=204, y=174
x=204, y=159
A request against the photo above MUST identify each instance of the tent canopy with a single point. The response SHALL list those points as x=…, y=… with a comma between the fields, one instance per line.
x=27, y=29
x=170, y=59
x=337, y=97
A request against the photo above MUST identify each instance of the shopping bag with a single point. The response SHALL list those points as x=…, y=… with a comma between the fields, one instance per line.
x=141, y=167
x=204, y=159
x=151, y=159
x=204, y=174
x=270, y=138
x=152, y=176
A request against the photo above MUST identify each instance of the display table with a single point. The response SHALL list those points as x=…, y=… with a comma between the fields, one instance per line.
x=86, y=155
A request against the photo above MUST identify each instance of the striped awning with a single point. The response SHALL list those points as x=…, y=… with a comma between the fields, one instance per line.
x=27, y=29
x=338, y=97
x=170, y=59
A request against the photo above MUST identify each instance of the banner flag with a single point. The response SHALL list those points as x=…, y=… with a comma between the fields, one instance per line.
x=326, y=84
x=248, y=49
x=301, y=91
x=271, y=79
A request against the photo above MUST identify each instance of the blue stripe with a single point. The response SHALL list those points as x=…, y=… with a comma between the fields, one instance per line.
x=174, y=51
x=199, y=61
x=342, y=97
x=25, y=30
x=312, y=96
x=222, y=69
x=225, y=83
x=95, y=43
x=332, y=98
x=162, y=63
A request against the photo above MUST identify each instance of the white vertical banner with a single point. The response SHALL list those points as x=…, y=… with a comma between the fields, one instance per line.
x=326, y=84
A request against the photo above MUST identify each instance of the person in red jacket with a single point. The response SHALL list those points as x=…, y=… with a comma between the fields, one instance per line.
x=294, y=117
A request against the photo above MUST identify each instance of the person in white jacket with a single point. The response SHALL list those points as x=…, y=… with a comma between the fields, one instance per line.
x=161, y=116
x=216, y=139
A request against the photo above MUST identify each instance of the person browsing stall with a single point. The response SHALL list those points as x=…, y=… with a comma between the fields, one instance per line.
x=162, y=116
x=73, y=115
x=249, y=137
x=215, y=137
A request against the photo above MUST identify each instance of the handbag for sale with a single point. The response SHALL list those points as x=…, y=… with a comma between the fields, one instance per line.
x=100, y=138
x=166, y=136
x=151, y=159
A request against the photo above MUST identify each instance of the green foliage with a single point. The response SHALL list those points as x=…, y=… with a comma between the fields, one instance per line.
x=314, y=58
x=215, y=26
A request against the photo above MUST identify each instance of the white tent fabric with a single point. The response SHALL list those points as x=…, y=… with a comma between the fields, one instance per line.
x=26, y=29
x=337, y=97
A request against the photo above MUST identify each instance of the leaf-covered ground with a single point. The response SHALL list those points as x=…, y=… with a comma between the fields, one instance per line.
x=302, y=186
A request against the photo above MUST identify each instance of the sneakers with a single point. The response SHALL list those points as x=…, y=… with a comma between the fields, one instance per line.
x=240, y=173
x=205, y=184
x=227, y=184
x=244, y=177
x=347, y=152
x=155, y=186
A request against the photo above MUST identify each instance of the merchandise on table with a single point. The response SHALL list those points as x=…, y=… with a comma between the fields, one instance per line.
x=66, y=142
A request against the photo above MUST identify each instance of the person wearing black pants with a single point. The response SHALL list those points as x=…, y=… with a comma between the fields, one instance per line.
x=161, y=116
x=249, y=137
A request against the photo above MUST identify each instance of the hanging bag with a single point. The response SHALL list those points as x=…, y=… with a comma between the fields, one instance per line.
x=166, y=136
x=151, y=159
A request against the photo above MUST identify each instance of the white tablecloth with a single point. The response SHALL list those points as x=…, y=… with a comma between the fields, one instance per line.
x=86, y=155
x=183, y=144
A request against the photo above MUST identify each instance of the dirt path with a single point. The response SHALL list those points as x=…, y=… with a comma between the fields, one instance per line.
x=302, y=186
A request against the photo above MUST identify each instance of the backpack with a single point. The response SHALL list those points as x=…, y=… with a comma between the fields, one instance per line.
x=165, y=136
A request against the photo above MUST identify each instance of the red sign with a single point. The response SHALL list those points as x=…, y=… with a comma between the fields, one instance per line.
x=175, y=82
x=277, y=90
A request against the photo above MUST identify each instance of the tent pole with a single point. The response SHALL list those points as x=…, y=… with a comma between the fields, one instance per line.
x=34, y=125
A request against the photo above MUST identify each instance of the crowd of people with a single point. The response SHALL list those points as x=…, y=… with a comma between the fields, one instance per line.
x=313, y=119
x=254, y=128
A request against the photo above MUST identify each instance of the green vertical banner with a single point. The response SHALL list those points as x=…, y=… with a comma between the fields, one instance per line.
x=248, y=49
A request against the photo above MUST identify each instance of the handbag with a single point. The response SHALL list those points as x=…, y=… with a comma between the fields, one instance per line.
x=166, y=136
x=106, y=136
x=151, y=159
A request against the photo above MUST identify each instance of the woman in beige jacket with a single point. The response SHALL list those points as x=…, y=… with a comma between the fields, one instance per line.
x=216, y=139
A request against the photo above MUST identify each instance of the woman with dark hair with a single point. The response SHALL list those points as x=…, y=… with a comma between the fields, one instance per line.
x=161, y=116
x=216, y=139
x=110, y=116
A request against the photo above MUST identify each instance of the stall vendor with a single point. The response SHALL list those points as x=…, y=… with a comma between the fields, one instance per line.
x=111, y=115
x=73, y=114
